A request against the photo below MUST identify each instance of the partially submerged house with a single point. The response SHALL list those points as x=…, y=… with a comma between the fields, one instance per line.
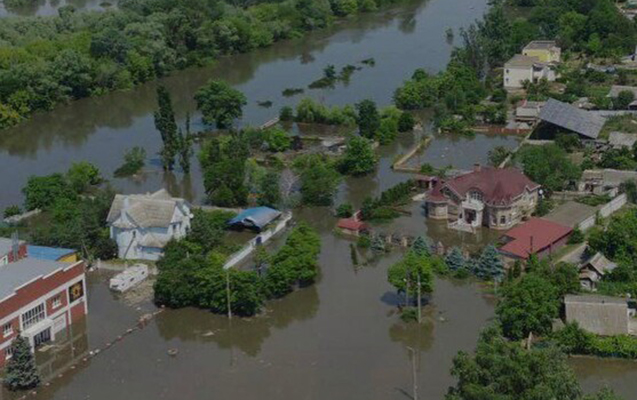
x=601, y=315
x=352, y=226
x=557, y=116
x=593, y=270
x=142, y=224
x=255, y=218
x=545, y=50
x=497, y=198
x=536, y=236
x=521, y=68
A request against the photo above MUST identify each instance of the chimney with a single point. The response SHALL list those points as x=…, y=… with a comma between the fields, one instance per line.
x=477, y=167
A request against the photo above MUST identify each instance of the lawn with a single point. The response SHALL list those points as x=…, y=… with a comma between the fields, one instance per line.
x=620, y=123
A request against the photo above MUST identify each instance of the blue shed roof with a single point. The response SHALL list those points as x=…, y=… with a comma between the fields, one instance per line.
x=48, y=253
x=257, y=217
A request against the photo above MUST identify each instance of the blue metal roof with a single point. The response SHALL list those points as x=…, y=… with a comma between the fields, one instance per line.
x=257, y=217
x=48, y=253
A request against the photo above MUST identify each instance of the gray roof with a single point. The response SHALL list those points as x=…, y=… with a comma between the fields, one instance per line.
x=540, y=44
x=520, y=60
x=609, y=177
x=572, y=118
x=593, y=299
x=615, y=90
x=146, y=210
x=16, y=274
x=621, y=139
x=601, y=264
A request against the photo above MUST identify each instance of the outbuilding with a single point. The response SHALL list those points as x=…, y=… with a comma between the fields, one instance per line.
x=352, y=226
x=255, y=218
x=536, y=236
x=602, y=315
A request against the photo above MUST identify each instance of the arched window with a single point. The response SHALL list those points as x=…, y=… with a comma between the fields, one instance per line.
x=476, y=195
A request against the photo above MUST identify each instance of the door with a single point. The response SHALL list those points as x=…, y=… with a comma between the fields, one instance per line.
x=42, y=337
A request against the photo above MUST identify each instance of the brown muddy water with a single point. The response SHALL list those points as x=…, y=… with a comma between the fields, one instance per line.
x=338, y=339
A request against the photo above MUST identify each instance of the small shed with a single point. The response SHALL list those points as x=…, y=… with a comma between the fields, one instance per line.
x=52, y=253
x=602, y=315
x=255, y=218
x=535, y=236
x=594, y=269
x=352, y=226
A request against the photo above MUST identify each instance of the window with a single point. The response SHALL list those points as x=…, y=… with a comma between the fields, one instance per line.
x=7, y=329
x=33, y=316
x=503, y=220
x=475, y=195
x=8, y=352
x=57, y=301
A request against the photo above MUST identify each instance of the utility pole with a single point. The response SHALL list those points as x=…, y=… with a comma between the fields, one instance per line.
x=419, y=300
x=406, y=289
x=413, y=373
x=228, y=293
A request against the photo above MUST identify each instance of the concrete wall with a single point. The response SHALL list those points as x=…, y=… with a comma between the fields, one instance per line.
x=514, y=76
x=609, y=209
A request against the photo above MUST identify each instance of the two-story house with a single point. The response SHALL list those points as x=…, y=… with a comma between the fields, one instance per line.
x=497, y=198
x=143, y=224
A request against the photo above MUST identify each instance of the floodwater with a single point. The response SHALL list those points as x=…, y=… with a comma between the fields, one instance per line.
x=340, y=338
x=51, y=7
x=101, y=129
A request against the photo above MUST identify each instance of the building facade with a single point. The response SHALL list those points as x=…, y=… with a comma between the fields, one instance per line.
x=143, y=224
x=38, y=300
x=492, y=197
x=521, y=68
x=546, y=51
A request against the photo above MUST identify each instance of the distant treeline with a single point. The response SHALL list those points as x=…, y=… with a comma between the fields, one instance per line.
x=48, y=60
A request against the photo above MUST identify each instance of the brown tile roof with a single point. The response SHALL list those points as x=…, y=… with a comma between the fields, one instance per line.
x=533, y=236
x=499, y=186
x=352, y=224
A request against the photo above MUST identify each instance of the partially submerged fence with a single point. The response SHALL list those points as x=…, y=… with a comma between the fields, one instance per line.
x=261, y=239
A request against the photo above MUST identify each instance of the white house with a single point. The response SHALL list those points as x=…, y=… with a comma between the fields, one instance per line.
x=143, y=224
x=522, y=68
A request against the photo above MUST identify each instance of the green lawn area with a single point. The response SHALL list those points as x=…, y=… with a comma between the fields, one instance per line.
x=621, y=123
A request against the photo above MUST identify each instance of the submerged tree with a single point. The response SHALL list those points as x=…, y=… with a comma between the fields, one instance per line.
x=184, y=146
x=220, y=103
x=21, y=372
x=368, y=118
x=167, y=127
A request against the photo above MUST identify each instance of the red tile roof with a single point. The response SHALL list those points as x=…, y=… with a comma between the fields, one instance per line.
x=543, y=233
x=352, y=224
x=499, y=186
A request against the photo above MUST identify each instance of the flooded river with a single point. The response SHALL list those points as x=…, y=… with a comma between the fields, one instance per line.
x=338, y=339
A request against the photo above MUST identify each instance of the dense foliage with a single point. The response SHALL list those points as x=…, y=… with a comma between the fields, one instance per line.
x=319, y=179
x=574, y=340
x=359, y=157
x=549, y=166
x=191, y=272
x=49, y=60
x=384, y=206
x=219, y=103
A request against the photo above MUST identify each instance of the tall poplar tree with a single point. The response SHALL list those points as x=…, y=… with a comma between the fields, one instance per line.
x=167, y=127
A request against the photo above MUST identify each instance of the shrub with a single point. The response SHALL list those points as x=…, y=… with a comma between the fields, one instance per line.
x=12, y=210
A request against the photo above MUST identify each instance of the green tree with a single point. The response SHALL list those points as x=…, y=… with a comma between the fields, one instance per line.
x=134, y=161
x=497, y=155
x=277, y=139
x=504, y=370
x=455, y=260
x=359, y=157
x=345, y=210
x=623, y=99
x=421, y=247
x=528, y=305
x=21, y=372
x=167, y=127
x=11, y=211
x=270, y=190
x=319, y=179
x=42, y=191
x=489, y=264
x=368, y=118
x=405, y=274
x=220, y=103
x=82, y=175
x=406, y=122
x=549, y=166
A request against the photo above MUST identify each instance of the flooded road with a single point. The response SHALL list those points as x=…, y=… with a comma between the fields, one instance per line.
x=101, y=129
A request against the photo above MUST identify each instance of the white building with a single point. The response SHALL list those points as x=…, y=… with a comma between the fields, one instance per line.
x=143, y=224
x=522, y=68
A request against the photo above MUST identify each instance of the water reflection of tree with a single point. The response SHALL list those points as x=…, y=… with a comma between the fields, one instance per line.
x=245, y=334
